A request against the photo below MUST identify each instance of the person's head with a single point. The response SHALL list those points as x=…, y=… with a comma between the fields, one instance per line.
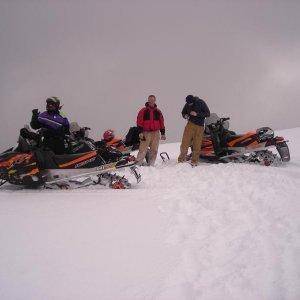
x=52, y=104
x=151, y=100
x=189, y=99
x=108, y=135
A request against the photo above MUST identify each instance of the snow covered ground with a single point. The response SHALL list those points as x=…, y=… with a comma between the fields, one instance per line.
x=226, y=231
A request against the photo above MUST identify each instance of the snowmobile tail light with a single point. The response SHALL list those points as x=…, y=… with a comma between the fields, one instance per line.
x=279, y=138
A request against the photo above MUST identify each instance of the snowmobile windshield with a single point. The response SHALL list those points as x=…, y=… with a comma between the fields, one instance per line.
x=213, y=118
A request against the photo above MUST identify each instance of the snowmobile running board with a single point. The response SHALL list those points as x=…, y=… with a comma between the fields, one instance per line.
x=94, y=171
x=242, y=152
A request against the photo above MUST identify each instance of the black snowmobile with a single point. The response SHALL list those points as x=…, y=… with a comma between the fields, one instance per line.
x=31, y=165
x=223, y=145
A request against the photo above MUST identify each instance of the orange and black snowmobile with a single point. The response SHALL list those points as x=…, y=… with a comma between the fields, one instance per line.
x=30, y=165
x=222, y=145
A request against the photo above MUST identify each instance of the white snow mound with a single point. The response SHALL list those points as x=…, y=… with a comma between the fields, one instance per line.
x=226, y=231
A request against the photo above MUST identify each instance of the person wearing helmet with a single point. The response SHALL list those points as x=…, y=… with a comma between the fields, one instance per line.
x=112, y=141
x=54, y=125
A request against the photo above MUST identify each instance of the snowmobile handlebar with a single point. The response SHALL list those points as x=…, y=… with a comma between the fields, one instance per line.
x=222, y=120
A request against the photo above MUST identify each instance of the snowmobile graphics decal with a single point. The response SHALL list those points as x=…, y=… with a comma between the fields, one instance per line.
x=105, y=167
x=85, y=162
x=79, y=159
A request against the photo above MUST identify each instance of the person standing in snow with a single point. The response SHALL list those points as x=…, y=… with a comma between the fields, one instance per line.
x=150, y=122
x=195, y=111
x=53, y=124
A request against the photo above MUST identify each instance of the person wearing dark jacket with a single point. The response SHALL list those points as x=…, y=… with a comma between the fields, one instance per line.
x=150, y=122
x=195, y=111
x=53, y=124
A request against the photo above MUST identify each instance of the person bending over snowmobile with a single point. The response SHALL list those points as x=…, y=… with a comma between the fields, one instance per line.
x=54, y=126
x=195, y=111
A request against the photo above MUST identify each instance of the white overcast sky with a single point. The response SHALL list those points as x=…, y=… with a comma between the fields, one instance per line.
x=103, y=58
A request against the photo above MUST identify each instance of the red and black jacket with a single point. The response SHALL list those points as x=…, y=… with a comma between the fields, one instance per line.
x=150, y=119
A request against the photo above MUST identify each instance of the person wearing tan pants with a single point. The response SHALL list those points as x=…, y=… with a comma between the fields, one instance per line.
x=151, y=141
x=192, y=136
x=150, y=122
x=195, y=111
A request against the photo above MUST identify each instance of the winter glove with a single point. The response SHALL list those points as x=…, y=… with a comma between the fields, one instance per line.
x=35, y=111
x=26, y=134
x=163, y=137
x=142, y=137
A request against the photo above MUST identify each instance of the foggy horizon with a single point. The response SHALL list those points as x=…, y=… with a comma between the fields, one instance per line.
x=103, y=59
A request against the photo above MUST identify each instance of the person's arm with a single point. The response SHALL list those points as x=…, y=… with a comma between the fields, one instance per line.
x=201, y=110
x=34, y=123
x=184, y=112
x=66, y=126
x=162, y=124
x=140, y=120
x=206, y=111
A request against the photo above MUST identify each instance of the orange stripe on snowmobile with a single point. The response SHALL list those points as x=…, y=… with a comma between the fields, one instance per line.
x=33, y=172
x=79, y=159
x=244, y=137
x=113, y=141
x=255, y=143
x=9, y=162
x=117, y=143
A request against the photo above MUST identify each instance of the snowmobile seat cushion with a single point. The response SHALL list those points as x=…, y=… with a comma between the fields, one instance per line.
x=132, y=137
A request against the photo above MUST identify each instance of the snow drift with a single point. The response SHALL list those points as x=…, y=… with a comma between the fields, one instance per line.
x=225, y=231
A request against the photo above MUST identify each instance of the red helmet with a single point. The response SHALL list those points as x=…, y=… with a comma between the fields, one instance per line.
x=108, y=135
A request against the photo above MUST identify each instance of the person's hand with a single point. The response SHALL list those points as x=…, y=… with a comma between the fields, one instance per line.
x=163, y=137
x=193, y=113
x=186, y=116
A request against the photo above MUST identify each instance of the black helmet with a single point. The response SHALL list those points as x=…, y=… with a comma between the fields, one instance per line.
x=53, y=101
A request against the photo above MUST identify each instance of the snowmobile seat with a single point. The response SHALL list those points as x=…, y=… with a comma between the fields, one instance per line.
x=231, y=137
x=45, y=159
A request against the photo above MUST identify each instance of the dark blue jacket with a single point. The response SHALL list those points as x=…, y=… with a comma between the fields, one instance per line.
x=55, y=123
x=198, y=106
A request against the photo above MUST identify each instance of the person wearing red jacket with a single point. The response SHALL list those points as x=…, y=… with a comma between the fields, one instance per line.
x=150, y=122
